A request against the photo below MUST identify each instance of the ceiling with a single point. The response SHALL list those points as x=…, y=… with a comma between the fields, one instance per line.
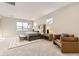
x=34, y=10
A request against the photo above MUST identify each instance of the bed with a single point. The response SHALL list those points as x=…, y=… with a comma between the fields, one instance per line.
x=31, y=35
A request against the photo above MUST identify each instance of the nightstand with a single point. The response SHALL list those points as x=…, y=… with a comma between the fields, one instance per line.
x=48, y=36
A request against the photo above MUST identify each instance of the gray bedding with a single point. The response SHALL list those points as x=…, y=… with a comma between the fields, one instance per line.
x=32, y=35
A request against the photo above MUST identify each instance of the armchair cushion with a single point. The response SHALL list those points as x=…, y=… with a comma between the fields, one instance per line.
x=69, y=39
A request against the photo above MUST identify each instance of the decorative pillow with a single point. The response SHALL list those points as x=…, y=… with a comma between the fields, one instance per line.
x=71, y=35
x=67, y=35
x=64, y=35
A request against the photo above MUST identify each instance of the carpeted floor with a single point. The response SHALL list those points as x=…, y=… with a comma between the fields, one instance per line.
x=14, y=43
x=40, y=47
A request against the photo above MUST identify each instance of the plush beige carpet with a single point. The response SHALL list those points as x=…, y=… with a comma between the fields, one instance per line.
x=40, y=48
x=17, y=42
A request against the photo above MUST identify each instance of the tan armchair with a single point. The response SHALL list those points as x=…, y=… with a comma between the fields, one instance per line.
x=67, y=44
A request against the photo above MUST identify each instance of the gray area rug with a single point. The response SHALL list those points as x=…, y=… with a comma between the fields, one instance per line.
x=17, y=43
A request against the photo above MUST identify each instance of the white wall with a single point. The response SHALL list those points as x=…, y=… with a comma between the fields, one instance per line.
x=66, y=19
x=0, y=28
x=8, y=27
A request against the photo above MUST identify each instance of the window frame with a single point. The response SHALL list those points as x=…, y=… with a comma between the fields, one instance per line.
x=22, y=27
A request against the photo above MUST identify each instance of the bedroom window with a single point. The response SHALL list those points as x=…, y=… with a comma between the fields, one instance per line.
x=19, y=25
x=25, y=26
x=49, y=21
x=22, y=26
